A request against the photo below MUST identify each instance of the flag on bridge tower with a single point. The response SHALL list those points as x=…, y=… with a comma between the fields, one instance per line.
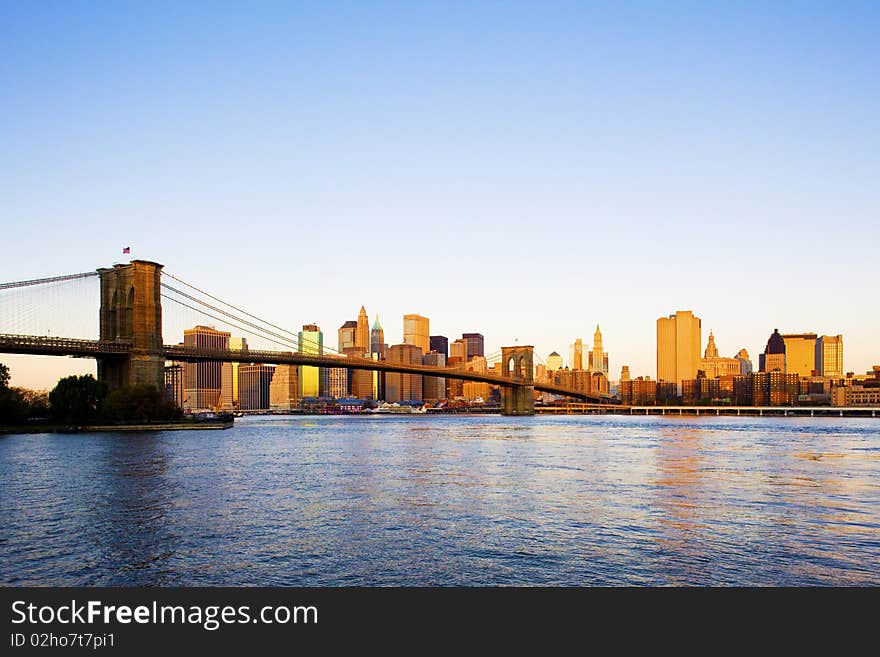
x=127, y=249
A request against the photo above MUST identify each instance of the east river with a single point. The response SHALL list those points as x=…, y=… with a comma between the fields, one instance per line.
x=464, y=500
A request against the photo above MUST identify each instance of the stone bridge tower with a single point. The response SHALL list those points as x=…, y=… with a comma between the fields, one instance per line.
x=517, y=363
x=131, y=312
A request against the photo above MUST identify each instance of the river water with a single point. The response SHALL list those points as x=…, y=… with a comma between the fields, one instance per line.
x=483, y=500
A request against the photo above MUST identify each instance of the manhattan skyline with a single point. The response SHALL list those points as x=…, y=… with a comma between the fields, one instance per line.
x=526, y=173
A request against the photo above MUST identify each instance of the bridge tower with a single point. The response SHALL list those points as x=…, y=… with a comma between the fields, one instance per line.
x=517, y=364
x=131, y=312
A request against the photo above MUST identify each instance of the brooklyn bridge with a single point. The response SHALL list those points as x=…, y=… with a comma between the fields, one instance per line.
x=130, y=349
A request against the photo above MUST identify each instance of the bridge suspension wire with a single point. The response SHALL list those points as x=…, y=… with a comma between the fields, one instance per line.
x=44, y=281
x=57, y=306
x=278, y=332
x=252, y=332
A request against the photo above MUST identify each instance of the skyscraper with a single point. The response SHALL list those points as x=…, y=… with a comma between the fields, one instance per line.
x=284, y=391
x=311, y=341
x=440, y=344
x=773, y=358
x=416, y=331
x=598, y=357
x=829, y=355
x=403, y=387
x=800, y=353
x=362, y=334
x=458, y=352
x=377, y=340
x=678, y=347
x=254, y=382
x=347, y=333
x=229, y=376
x=434, y=387
x=203, y=382
x=474, y=344
x=745, y=364
x=577, y=356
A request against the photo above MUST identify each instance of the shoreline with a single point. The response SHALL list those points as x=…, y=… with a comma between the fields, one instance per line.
x=122, y=428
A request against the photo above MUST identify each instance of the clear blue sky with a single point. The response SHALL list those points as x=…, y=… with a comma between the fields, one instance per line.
x=525, y=170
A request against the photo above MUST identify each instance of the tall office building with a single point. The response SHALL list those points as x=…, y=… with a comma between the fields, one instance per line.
x=440, y=344
x=417, y=331
x=434, y=387
x=475, y=344
x=745, y=365
x=624, y=373
x=829, y=356
x=458, y=351
x=362, y=334
x=229, y=376
x=554, y=362
x=577, y=355
x=377, y=340
x=203, y=382
x=360, y=382
x=254, y=382
x=800, y=353
x=678, y=347
x=311, y=341
x=403, y=387
x=347, y=335
x=773, y=359
x=334, y=382
x=598, y=357
x=284, y=391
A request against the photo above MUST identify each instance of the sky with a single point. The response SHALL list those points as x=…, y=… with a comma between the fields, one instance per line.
x=522, y=170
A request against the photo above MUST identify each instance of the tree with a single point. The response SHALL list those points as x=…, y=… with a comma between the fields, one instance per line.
x=77, y=398
x=4, y=377
x=142, y=403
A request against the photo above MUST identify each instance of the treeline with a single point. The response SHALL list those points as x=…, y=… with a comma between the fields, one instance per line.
x=83, y=400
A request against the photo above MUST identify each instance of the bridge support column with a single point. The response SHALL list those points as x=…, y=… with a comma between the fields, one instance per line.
x=517, y=364
x=131, y=312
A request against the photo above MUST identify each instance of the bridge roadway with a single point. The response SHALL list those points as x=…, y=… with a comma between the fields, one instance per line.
x=57, y=346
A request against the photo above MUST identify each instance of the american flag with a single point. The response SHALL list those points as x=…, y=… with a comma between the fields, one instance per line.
x=127, y=249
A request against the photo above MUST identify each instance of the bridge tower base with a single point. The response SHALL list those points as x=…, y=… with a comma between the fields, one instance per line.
x=131, y=312
x=517, y=364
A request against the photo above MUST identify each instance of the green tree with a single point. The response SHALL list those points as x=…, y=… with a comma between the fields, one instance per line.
x=143, y=403
x=12, y=407
x=4, y=377
x=77, y=398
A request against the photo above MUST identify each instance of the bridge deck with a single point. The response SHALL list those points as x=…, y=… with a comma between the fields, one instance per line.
x=57, y=346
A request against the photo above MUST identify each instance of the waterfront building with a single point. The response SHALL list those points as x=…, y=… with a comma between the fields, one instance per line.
x=311, y=341
x=254, y=382
x=229, y=376
x=472, y=390
x=773, y=357
x=377, y=340
x=829, y=356
x=433, y=387
x=475, y=344
x=598, y=357
x=417, y=331
x=800, y=353
x=624, y=373
x=203, y=382
x=403, y=387
x=334, y=381
x=554, y=362
x=174, y=384
x=678, y=347
x=360, y=382
x=667, y=392
x=641, y=391
x=284, y=390
x=742, y=389
x=440, y=344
